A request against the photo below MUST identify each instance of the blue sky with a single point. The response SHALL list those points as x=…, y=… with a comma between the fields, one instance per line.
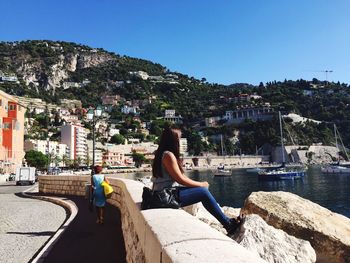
x=223, y=41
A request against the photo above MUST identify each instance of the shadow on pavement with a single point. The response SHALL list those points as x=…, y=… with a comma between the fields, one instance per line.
x=33, y=234
x=85, y=241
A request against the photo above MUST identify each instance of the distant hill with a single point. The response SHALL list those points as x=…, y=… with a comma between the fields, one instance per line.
x=45, y=68
x=53, y=70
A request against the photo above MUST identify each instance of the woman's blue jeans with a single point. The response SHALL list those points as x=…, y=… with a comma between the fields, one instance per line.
x=192, y=195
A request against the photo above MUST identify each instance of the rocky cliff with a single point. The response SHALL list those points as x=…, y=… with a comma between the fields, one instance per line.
x=48, y=64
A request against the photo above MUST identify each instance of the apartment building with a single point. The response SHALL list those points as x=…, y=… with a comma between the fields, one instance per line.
x=252, y=112
x=113, y=157
x=170, y=116
x=75, y=138
x=183, y=146
x=98, y=153
x=55, y=149
x=11, y=133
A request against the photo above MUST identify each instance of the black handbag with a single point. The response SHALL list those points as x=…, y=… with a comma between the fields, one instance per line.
x=166, y=198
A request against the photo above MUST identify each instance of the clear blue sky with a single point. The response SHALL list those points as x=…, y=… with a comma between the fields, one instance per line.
x=224, y=41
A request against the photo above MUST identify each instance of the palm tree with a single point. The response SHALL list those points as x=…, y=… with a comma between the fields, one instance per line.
x=65, y=160
x=57, y=160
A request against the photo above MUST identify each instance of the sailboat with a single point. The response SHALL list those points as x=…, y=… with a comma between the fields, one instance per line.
x=222, y=171
x=337, y=167
x=281, y=173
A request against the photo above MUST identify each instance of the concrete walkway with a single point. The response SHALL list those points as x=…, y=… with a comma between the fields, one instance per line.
x=85, y=241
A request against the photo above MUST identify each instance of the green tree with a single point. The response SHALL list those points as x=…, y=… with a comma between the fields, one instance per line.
x=36, y=159
x=117, y=139
x=138, y=158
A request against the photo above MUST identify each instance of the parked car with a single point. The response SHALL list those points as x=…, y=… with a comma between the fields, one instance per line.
x=12, y=177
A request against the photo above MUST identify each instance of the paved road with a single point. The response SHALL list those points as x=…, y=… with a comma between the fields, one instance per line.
x=25, y=224
x=11, y=188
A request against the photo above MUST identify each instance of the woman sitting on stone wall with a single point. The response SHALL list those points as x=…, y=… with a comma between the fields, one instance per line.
x=167, y=172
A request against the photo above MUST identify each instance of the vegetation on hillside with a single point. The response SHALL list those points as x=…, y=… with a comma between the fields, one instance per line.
x=193, y=99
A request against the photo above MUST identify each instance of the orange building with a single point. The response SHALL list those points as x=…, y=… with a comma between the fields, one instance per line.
x=11, y=133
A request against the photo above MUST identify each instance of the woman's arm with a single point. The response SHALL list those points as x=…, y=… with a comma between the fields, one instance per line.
x=170, y=163
x=106, y=180
x=92, y=181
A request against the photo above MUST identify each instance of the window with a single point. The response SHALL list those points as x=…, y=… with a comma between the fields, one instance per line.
x=12, y=107
x=7, y=125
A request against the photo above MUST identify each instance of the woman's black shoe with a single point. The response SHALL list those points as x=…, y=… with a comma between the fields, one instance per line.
x=233, y=225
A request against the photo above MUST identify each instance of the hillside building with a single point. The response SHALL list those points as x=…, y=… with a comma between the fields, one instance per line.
x=11, y=133
x=52, y=148
x=75, y=137
x=110, y=100
x=251, y=112
x=140, y=74
x=170, y=116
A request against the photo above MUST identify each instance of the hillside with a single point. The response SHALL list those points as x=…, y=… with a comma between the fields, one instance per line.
x=55, y=70
x=45, y=69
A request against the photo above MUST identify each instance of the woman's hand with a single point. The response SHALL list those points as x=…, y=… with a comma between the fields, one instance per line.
x=205, y=184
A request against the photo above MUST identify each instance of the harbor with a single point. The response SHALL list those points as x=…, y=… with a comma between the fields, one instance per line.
x=328, y=190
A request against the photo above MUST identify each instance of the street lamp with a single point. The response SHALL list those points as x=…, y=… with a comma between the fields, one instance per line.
x=92, y=115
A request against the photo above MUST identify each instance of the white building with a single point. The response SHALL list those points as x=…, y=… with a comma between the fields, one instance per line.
x=253, y=113
x=9, y=78
x=75, y=137
x=67, y=85
x=98, y=153
x=127, y=109
x=113, y=131
x=171, y=117
x=52, y=148
x=212, y=121
x=183, y=146
x=70, y=118
x=38, y=110
x=140, y=74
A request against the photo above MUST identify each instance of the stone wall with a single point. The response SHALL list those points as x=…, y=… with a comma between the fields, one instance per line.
x=63, y=185
x=244, y=160
x=156, y=235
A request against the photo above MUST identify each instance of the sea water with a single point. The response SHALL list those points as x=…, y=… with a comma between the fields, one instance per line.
x=331, y=191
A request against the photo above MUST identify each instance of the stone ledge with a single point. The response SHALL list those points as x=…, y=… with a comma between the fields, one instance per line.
x=160, y=235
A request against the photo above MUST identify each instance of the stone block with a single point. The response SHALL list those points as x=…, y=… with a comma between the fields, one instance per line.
x=273, y=245
x=328, y=232
x=208, y=250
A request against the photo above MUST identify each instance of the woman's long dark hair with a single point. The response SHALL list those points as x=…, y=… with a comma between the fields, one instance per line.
x=169, y=141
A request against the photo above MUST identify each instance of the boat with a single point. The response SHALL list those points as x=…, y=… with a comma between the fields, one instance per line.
x=282, y=172
x=188, y=167
x=222, y=171
x=255, y=170
x=337, y=168
x=146, y=180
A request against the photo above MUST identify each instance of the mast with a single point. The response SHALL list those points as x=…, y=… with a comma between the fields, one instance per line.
x=336, y=140
x=281, y=132
x=341, y=141
x=335, y=135
x=222, y=147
